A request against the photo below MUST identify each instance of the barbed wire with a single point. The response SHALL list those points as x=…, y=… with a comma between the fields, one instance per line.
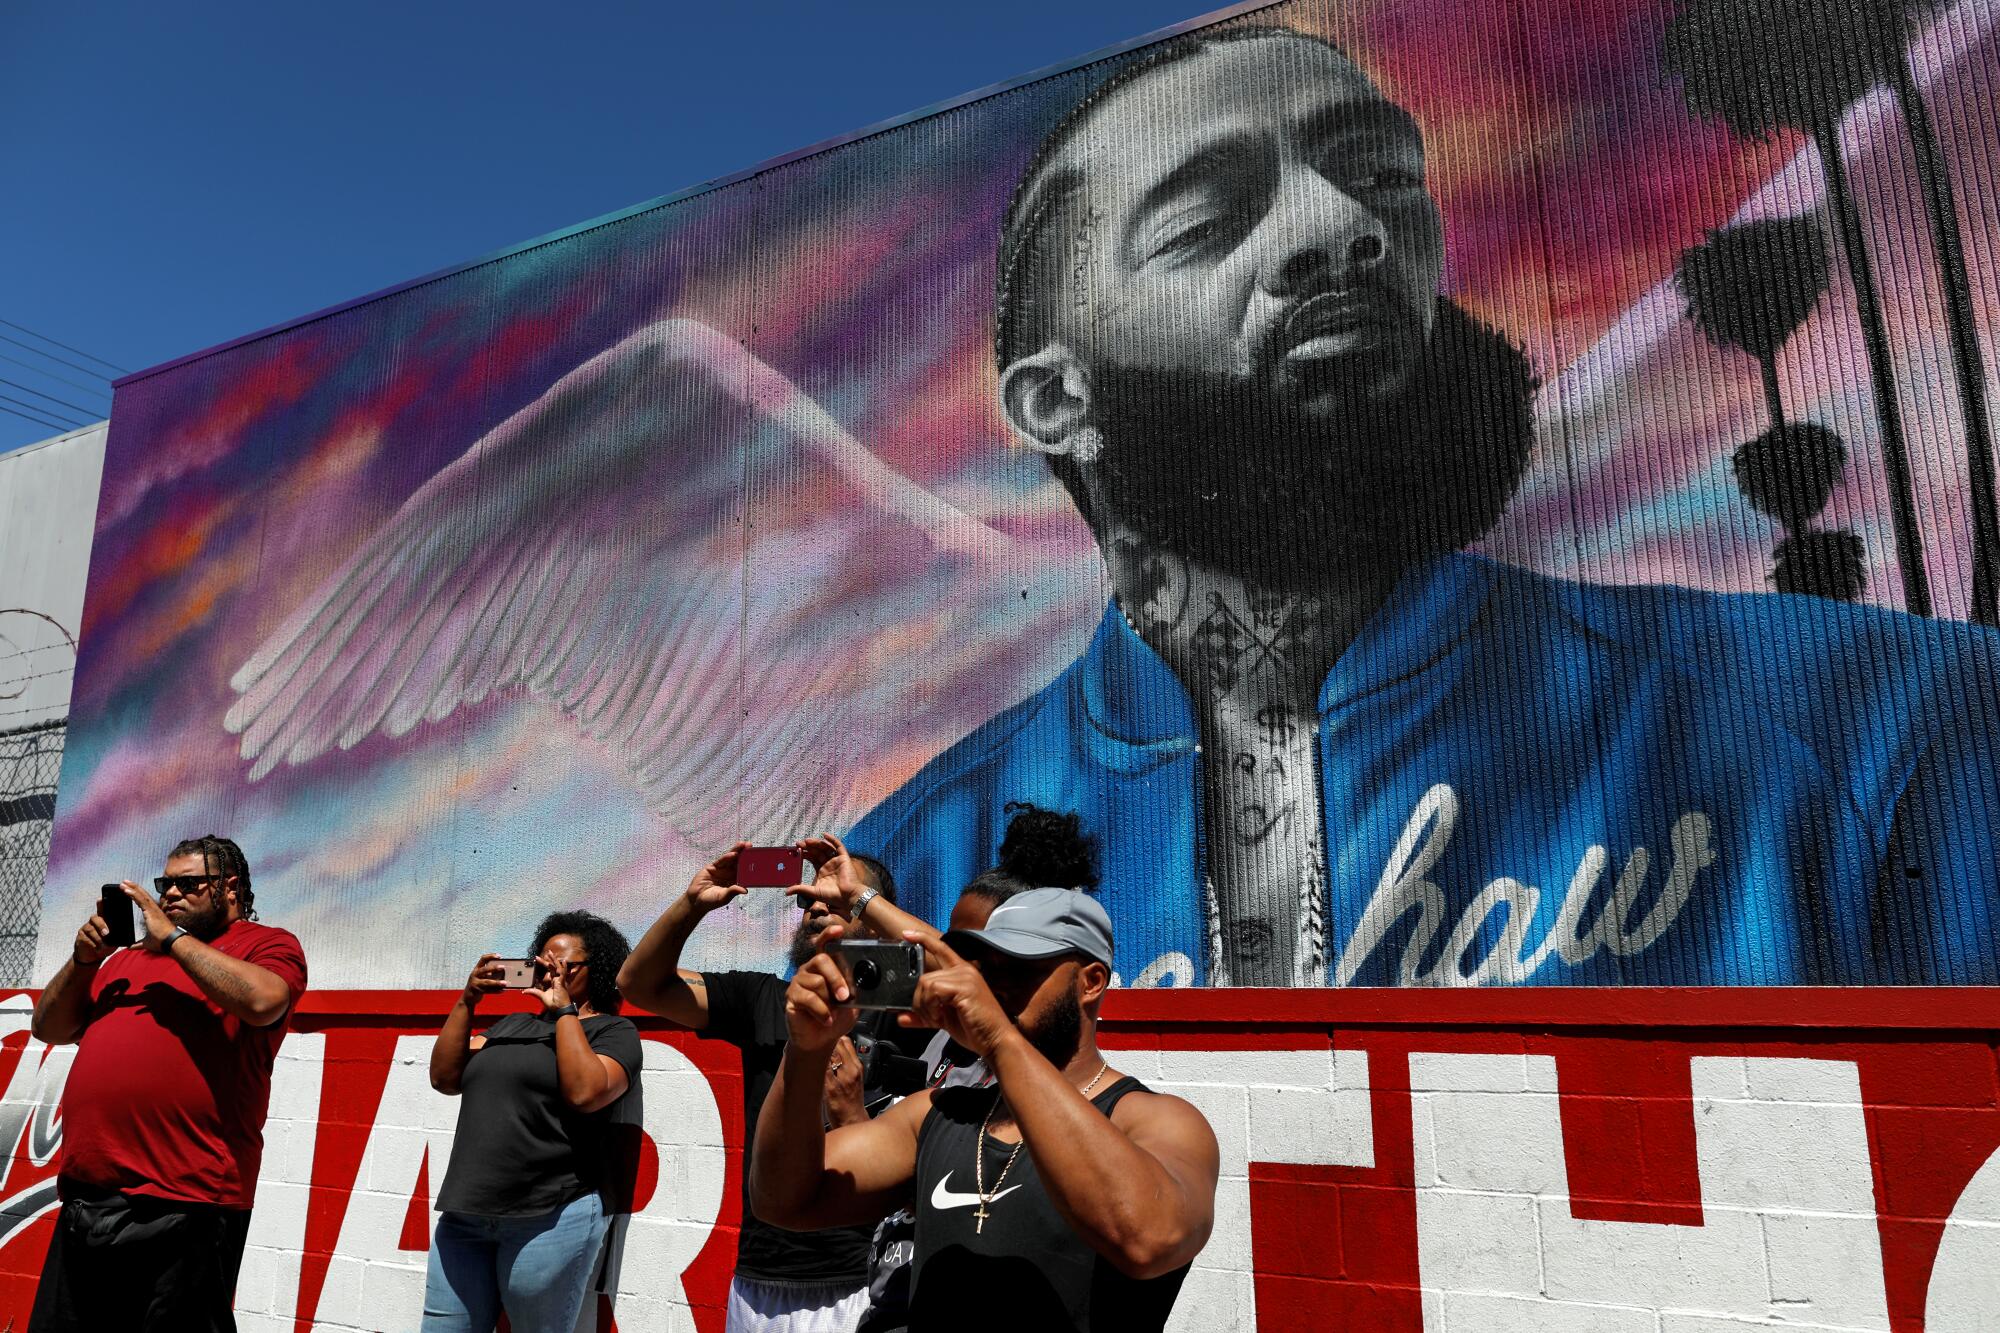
x=44, y=648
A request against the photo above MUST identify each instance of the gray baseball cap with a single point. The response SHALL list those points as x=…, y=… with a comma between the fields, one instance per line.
x=1042, y=923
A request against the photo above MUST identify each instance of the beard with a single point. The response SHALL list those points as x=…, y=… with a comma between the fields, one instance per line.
x=1249, y=476
x=205, y=923
x=805, y=943
x=1059, y=1032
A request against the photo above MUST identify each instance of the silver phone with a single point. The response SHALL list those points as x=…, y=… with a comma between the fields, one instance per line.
x=881, y=974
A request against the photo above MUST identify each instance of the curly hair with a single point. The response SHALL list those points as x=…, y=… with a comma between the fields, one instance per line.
x=222, y=858
x=1041, y=849
x=604, y=947
x=1048, y=847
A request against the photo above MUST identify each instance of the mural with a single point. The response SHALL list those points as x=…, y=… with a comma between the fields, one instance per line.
x=1451, y=498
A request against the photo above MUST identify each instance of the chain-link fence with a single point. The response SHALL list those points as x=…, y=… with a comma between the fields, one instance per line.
x=30, y=760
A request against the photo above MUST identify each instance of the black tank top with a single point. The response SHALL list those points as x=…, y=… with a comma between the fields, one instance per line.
x=1026, y=1270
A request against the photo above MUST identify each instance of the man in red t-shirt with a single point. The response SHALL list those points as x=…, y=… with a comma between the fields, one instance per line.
x=163, y=1114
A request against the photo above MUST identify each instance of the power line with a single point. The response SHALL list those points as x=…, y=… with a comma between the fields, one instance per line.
x=65, y=346
x=51, y=425
x=45, y=411
x=87, y=411
x=59, y=379
x=50, y=355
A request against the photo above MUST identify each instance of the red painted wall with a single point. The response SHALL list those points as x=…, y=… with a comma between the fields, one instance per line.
x=1680, y=1160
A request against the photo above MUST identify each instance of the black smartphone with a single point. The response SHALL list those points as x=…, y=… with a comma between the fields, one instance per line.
x=881, y=974
x=116, y=909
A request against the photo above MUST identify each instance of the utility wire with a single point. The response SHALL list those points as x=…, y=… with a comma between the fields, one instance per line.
x=87, y=411
x=59, y=379
x=45, y=411
x=50, y=425
x=65, y=346
x=50, y=355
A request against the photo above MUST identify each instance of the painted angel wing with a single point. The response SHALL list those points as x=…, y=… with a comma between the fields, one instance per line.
x=627, y=548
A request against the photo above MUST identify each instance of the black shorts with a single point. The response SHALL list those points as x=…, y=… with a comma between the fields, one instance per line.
x=126, y=1261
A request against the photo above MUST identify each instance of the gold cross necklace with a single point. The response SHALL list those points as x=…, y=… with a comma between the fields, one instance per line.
x=979, y=1157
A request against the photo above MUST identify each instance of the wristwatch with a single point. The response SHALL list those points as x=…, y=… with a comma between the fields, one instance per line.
x=861, y=901
x=167, y=944
x=570, y=1010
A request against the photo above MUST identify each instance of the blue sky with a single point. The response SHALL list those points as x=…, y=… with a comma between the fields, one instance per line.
x=176, y=175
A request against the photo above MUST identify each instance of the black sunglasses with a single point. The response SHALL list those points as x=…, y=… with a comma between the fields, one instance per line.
x=187, y=884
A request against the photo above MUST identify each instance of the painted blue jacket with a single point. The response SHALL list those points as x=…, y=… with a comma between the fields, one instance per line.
x=1527, y=779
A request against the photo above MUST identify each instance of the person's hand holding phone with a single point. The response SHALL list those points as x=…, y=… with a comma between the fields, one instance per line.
x=157, y=924
x=837, y=880
x=486, y=978
x=817, y=1014
x=554, y=990
x=953, y=996
x=94, y=941
x=715, y=883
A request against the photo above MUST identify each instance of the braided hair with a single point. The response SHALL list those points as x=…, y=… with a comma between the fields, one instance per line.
x=1023, y=278
x=222, y=859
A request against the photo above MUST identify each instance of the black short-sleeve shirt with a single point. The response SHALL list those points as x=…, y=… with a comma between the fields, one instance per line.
x=747, y=1010
x=521, y=1150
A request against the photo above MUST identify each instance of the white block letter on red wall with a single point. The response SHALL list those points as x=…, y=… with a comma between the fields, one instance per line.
x=1788, y=1226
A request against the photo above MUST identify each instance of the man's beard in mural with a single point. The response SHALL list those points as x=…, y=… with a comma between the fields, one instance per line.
x=1238, y=474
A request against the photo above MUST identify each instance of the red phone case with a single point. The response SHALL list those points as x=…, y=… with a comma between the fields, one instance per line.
x=768, y=867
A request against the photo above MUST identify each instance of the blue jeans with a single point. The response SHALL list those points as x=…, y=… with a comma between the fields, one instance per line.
x=536, y=1268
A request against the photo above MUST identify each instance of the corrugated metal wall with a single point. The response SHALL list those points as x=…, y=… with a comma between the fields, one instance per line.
x=1520, y=450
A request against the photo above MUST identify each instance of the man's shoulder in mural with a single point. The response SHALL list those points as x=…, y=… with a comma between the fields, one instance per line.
x=1530, y=779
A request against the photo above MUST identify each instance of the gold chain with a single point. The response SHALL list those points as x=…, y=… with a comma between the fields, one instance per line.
x=979, y=1156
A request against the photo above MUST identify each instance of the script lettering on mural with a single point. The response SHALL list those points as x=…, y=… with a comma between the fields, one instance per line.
x=1405, y=886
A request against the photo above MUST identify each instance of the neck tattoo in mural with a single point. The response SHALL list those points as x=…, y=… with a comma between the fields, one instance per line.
x=1252, y=661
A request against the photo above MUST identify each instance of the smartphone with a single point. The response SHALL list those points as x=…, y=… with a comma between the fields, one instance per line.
x=518, y=973
x=116, y=909
x=881, y=974
x=769, y=867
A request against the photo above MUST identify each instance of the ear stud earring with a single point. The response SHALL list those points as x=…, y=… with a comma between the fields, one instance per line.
x=1085, y=444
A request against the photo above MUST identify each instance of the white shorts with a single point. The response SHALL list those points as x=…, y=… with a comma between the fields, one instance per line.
x=787, y=1307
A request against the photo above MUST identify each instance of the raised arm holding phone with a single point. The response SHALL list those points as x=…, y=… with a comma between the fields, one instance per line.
x=163, y=1111
x=782, y=1280
x=1006, y=1179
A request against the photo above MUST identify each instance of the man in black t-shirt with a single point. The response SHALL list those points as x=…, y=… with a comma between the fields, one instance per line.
x=785, y=1282
x=1063, y=1197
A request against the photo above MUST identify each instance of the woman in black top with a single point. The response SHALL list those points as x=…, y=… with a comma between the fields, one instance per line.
x=536, y=1167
